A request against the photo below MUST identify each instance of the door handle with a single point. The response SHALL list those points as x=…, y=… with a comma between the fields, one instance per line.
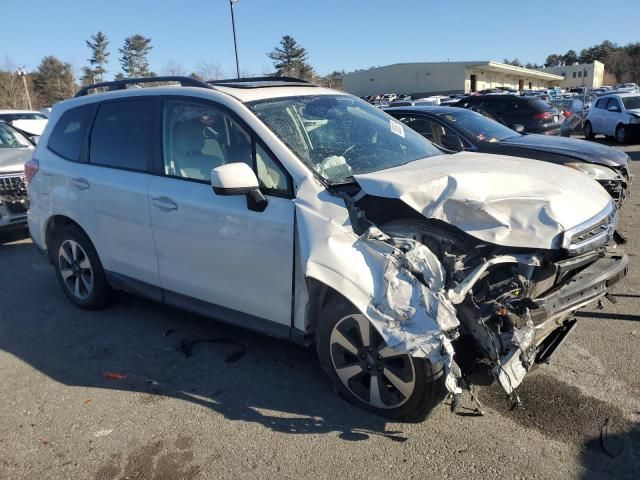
x=80, y=183
x=164, y=203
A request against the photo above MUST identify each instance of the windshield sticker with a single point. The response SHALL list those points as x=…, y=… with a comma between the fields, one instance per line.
x=397, y=128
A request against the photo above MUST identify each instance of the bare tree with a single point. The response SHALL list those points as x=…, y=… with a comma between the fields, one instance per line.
x=208, y=70
x=12, y=94
x=173, y=68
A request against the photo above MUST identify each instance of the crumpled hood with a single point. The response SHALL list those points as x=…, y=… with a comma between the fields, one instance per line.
x=12, y=159
x=587, y=151
x=503, y=200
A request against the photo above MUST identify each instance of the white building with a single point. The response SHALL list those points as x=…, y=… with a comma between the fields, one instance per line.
x=430, y=78
x=590, y=75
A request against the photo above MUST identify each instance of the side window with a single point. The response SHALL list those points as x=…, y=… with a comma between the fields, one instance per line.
x=613, y=102
x=420, y=124
x=122, y=135
x=434, y=131
x=68, y=134
x=602, y=103
x=270, y=173
x=198, y=137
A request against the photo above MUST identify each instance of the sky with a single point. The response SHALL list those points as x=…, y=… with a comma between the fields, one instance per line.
x=338, y=34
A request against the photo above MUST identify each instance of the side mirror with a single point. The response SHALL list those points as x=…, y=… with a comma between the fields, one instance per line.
x=517, y=127
x=238, y=179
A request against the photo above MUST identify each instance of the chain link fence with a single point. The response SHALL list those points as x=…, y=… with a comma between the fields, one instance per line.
x=574, y=108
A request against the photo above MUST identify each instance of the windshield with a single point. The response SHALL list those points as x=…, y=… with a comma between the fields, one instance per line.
x=339, y=136
x=631, y=103
x=478, y=126
x=9, y=138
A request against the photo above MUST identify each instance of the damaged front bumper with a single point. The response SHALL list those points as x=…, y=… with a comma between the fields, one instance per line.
x=551, y=312
x=550, y=317
x=582, y=288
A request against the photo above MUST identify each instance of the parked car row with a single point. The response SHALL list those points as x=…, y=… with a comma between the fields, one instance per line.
x=15, y=150
x=29, y=122
x=455, y=130
x=308, y=214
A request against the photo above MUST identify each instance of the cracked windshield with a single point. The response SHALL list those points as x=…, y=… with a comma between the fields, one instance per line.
x=339, y=136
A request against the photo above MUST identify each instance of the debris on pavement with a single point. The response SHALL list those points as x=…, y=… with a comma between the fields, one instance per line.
x=115, y=376
x=186, y=347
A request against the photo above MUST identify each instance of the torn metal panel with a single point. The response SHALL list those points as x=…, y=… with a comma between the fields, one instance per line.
x=398, y=284
x=459, y=292
x=502, y=200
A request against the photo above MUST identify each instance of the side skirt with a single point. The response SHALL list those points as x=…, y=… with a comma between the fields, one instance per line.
x=206, y=309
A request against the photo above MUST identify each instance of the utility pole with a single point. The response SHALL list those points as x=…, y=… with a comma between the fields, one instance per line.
x=235, y=40
x=23, y=73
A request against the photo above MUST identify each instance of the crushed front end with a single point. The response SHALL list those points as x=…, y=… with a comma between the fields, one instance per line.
x=514, y=306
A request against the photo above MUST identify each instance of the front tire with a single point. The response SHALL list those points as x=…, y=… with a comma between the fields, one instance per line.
x=78, y=269
x=367, y=373
x=588, y=131
x=621, y=134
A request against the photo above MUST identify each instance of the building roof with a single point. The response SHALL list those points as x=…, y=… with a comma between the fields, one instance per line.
x=484, y=64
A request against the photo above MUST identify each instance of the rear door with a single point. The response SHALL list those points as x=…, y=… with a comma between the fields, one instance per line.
x=108, y=189
x=212, y=250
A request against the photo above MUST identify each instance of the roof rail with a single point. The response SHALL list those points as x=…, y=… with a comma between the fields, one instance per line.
x=258, y=79
x=261, y=82
x=122, y=84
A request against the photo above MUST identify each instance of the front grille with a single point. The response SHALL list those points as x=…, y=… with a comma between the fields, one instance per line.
x=586, y=237
x=591, y=232
x=13, y=188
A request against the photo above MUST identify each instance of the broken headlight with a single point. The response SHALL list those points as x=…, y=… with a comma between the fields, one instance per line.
x=597, y=172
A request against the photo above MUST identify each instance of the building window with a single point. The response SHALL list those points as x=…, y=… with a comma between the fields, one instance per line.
x=579, y=74
x=575, y=74
x=584, y=74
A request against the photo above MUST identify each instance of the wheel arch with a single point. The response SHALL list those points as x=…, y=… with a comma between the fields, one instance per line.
x=320, y=294
x=53, y=224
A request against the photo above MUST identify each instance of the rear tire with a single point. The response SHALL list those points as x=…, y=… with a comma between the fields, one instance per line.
x=621, y=134
x=588, y=131
x=78, y=269
x=369, y=374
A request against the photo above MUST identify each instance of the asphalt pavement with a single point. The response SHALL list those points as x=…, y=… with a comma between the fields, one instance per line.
x=142, y=391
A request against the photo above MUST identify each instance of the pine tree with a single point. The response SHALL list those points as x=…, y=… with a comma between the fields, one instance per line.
x=133, y=57
x=290, y=59
x=98, y=44
x=88, y=76
x=53, y=81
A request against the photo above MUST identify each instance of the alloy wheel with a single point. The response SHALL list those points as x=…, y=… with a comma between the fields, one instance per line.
x=75, y=269
x=367, y=367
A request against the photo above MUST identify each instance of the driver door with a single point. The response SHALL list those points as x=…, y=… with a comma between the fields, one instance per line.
x=215, y=255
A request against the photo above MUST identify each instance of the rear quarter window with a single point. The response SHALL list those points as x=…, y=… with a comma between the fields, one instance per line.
x=69, y=132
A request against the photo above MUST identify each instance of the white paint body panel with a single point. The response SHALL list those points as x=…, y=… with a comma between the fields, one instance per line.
x=114, y=211
x=213, y=248
x=502, y=200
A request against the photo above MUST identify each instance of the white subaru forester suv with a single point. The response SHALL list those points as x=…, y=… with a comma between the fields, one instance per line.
x=308, y=214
